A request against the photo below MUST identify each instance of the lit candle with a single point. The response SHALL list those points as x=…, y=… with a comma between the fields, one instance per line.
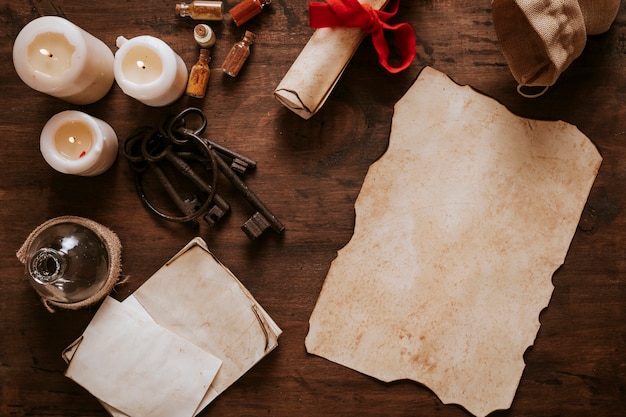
x=56, y=57
x=147, y=69
x=73, y=142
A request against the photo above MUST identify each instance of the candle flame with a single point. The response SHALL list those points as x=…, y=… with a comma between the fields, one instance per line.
x=44, y=51
x=141, y=64
x=72, y=139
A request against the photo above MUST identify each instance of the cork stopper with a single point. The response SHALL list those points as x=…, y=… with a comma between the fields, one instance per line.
x=249, y=36
x=205, y=54
x=201, y=30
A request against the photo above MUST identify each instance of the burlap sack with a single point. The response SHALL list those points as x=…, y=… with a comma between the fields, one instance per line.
x=541, y=38
x=598, y=14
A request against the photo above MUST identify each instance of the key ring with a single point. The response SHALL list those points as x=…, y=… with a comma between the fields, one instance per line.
x=139, y=149
x=177, y=124
x=132, y=148
x=151, y=144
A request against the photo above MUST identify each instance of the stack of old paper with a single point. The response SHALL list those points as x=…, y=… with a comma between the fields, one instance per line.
x=173, y=346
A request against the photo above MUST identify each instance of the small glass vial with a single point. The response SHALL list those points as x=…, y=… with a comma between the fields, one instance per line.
x=199, y=75
x=204, y=35
x=246, y=10
x=201, y=10
x=238, y=55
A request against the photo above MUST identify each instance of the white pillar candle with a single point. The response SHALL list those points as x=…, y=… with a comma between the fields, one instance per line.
x=147, y=69
x=73, y=142
x=56, y=57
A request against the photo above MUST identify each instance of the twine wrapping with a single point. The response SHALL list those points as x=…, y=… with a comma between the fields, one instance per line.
x=111, y=243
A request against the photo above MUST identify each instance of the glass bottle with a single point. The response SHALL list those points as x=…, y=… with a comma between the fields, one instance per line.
x=204, y=35
x=246, y=10
x=238, y=55
x=201, y=10
x=67, y=262
x=199, y=75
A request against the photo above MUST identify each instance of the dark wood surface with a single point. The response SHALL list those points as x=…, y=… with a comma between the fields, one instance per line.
x=309, y=173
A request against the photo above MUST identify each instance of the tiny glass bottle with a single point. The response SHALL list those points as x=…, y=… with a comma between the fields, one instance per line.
x=70, y=260
x=238, y=55
x=199, y=75
x=204, y=35
x=246, y=10
x=201, y=10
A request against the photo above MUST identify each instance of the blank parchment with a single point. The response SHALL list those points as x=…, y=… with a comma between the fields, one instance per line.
x=459, y=228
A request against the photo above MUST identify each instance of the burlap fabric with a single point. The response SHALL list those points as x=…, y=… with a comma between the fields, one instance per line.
x=112, y=244
x=541, y=38
x=598, y=14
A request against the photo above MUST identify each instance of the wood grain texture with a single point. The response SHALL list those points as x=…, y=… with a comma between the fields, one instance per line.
x=309, y=173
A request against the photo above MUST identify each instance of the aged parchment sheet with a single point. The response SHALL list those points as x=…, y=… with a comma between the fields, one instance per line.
x=459, y=228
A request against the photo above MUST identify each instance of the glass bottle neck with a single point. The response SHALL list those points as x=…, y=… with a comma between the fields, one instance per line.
x=47, y=266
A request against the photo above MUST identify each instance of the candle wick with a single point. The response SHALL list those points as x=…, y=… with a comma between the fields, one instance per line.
x=141, y=64
x=44, y=51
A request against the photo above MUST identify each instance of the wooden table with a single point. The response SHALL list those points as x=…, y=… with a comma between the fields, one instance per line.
x=309, y=173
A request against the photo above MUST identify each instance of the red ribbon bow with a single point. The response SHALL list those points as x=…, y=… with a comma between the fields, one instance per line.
x=351, y=13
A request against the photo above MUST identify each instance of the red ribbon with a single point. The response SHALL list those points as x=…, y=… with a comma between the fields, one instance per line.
x=351, y=13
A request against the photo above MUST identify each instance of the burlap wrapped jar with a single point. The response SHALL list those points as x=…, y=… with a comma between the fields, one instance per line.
x=541, y=38
x=110, y=242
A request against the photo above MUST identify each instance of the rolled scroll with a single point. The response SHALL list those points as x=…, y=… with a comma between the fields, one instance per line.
x=314, y=73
